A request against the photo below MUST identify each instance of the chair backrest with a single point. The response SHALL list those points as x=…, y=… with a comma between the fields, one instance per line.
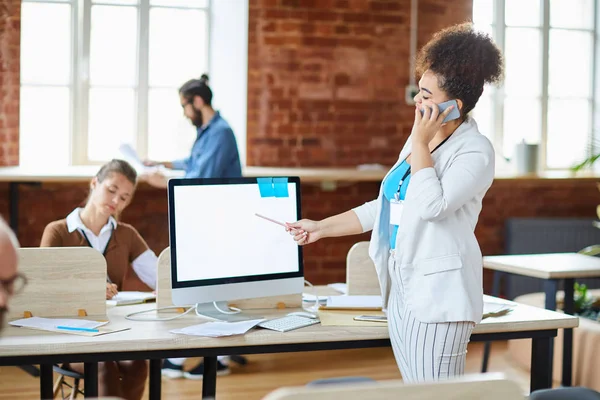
x=163, y=279
x=361, y=276
x=546, y=235
x=464, y=388
x=61, y=282
x=565, y=393
x=164, y=298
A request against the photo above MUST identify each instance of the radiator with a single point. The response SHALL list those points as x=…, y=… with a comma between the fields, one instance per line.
x=546, y=235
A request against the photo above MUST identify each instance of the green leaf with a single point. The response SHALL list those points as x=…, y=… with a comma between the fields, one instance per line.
x=586, y=162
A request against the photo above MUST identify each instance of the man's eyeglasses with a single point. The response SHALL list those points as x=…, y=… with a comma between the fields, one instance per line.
x=187, y=101
x=14, y=285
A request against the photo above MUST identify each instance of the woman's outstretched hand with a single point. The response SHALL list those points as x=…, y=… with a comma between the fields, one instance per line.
x=305, y=231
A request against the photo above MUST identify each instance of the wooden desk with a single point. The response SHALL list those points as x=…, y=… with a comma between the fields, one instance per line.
x=546, y=266
x=152, y=340
x=551, y=268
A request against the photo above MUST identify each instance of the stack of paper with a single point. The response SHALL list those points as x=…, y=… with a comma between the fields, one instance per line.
x=495, y=307
x=219, y=329
x=354, y=302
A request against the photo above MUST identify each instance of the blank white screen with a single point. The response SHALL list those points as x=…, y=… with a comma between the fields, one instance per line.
x=218, y=234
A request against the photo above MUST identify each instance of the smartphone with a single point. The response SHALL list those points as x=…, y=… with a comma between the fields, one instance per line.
x=454, y=114
x=371, y=318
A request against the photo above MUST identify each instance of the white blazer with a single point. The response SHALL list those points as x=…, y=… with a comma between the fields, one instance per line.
x=439, y=259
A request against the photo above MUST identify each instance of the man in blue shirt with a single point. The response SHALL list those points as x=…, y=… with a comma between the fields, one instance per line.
x=215, y=153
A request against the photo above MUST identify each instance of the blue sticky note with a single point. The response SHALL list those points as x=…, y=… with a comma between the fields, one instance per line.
x=265, y=185
x=280, y=186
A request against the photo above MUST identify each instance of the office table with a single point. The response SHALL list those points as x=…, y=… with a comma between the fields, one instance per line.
x=153, y=341
x=551, y=268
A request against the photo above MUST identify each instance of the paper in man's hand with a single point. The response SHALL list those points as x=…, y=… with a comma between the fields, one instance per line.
x=128, y=153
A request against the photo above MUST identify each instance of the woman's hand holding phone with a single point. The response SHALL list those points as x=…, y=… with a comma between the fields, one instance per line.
x=429, y=122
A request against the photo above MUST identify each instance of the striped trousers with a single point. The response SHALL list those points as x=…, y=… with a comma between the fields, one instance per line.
x=424, y=351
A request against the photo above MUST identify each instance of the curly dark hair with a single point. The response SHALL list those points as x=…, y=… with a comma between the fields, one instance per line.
x=463, y=60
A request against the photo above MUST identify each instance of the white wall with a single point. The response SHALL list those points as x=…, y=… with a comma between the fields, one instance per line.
x=596, y=106
x=228, y=55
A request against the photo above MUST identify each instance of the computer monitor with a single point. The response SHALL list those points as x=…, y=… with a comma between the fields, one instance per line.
x=222, y=250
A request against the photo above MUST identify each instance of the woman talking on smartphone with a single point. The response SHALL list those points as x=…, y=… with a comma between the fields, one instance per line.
x=428, y=260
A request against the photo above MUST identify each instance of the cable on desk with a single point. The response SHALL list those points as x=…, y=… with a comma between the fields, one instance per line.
x=232, y=311
x=130, y=316
x=315, y=307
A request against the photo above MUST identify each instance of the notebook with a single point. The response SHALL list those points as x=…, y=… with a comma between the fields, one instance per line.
x=128, y=298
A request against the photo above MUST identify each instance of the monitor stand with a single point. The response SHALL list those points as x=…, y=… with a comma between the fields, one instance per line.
x=208, y=310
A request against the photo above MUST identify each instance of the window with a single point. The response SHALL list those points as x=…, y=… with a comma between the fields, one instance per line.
x=97, y=73
x=548, y=95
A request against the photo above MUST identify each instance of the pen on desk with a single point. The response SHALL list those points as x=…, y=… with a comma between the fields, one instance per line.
x=271, y=220
x=73, y=328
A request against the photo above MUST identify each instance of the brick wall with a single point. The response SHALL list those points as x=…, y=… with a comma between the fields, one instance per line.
x=10, y=30
x=326, y=78
x=325, y=260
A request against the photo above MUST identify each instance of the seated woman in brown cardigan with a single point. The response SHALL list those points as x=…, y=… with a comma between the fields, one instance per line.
x=131, y=265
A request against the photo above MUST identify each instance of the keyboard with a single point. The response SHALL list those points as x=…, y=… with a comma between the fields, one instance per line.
x=288, y=323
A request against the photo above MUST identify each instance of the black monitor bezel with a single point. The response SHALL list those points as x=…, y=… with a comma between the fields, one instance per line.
x=228, y=280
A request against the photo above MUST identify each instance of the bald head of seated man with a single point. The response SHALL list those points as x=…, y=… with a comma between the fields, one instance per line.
x=9, y=260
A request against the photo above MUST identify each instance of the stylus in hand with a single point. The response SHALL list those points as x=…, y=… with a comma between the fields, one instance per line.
x=271, y=220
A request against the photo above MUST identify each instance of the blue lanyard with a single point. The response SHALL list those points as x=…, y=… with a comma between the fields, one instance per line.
x=397, y=194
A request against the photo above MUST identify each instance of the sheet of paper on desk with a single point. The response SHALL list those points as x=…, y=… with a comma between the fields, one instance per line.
x=126, y=298
x=355, y=302
x=219, y=329
x=497, y=300
x=52, y=323
x=340, y=287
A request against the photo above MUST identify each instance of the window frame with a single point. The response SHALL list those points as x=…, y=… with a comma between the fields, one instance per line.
x=498, y=94
x=79, y=82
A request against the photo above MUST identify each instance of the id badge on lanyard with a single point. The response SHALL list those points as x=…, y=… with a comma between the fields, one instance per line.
x=397, y=205
x=396, y=208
